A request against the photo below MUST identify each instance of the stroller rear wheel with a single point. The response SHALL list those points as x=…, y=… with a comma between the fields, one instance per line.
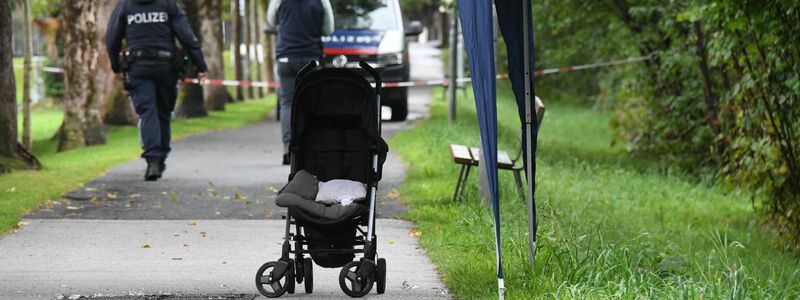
x=380, y=276
x=351, y=283
x=308, y=272
x=275, y=278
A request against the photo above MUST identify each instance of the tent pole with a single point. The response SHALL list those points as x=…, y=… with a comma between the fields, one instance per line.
x=528, y=134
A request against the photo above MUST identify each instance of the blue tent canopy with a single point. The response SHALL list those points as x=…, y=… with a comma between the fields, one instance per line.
x=516, y=26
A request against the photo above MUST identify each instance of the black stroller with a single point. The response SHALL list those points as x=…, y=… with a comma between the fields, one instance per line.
x=336, y=134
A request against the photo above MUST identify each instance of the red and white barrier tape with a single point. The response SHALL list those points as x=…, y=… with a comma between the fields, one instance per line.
x=416, y=83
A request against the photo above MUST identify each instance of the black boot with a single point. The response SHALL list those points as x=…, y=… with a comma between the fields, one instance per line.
x=153, y=172
x=162, y=165
x=286, y=159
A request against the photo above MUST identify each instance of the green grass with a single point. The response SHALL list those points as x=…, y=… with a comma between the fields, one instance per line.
x=18, y=72
x=610, y=226
x=45, y=122
x=21, y=191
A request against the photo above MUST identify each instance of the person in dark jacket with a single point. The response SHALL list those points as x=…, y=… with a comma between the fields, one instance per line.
x=301, y=25
x=149, y=28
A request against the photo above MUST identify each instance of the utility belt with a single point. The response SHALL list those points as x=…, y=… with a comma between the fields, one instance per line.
x=150, y=54
x=178, y=58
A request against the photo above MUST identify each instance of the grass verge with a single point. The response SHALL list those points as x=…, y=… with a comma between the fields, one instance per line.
x=22, y=191
x=611, y=226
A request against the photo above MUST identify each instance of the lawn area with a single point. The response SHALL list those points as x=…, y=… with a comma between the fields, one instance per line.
x=22, y=191
x=18, y=72
x=611, y=226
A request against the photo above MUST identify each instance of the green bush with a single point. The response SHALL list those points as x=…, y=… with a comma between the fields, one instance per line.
x=719, y=98
x=54, y=82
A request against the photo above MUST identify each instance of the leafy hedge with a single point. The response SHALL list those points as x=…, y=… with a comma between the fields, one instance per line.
x=719, y=98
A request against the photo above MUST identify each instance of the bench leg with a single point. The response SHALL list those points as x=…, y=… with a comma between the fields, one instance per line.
x=464, y=184
x=459, y=183
x=518, y=179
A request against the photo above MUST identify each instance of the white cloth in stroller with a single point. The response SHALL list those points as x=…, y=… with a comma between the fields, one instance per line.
x=341, y=191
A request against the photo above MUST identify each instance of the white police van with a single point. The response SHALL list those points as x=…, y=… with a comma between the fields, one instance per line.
x=373, y=31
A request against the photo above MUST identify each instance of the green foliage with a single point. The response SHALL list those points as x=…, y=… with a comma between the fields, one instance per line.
x=611, y=226
x=719, y=98
x=54, y=82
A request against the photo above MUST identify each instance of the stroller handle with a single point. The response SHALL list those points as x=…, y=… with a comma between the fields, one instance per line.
x=310, y=66
x=374, y=74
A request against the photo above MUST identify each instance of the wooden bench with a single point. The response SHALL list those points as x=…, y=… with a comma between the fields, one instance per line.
x=468, y=157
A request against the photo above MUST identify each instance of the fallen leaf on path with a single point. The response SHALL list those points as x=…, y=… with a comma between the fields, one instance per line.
x=415, y=233
x=177, y=258
x=134, y=196
x=204, y=234
x=409, y=286
x=392, y=194
x=111, y=196
x=185, y=245
x=94, y=200
x=391, y=242
x=218, y=213
x=146, y=246
x=238, y=196
x=21, y=223
x=72, y=208
x=194, y=223
x=173, y=200
x=273, y=189
x=211, y=184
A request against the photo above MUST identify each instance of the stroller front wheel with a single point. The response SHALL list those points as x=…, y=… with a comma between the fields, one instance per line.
x=352, y=284
x=274, y=279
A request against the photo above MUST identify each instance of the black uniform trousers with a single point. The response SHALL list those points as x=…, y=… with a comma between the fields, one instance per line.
x=152, y=86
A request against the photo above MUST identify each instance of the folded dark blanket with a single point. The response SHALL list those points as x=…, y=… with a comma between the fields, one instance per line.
x=300, y=194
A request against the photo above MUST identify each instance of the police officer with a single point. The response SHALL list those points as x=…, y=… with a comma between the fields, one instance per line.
x=301, y=25
x=149, y=28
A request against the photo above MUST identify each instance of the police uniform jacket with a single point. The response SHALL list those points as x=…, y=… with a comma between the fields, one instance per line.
x=151, y=25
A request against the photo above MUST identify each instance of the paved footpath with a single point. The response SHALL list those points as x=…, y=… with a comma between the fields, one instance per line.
x=204, y=229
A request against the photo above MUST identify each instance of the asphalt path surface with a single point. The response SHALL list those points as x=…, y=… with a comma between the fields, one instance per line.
x=204, y=228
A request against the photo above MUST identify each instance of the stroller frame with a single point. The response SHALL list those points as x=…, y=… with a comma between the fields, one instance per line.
x=361, y=274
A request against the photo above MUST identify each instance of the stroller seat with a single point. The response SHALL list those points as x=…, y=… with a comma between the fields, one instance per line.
x=299, y=194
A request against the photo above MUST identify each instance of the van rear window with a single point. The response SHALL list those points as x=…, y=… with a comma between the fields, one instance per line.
x=365, y=14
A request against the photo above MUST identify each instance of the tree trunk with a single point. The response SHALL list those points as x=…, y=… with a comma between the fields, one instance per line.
x=256, y=40
x=116, y=108
x=210, y=11
x=192, y=104
x=27, y=141
x=82, y=122
x=237, y=44
x=248, y=41
x=708, y=90
x=12, y=154
x=269, y=66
